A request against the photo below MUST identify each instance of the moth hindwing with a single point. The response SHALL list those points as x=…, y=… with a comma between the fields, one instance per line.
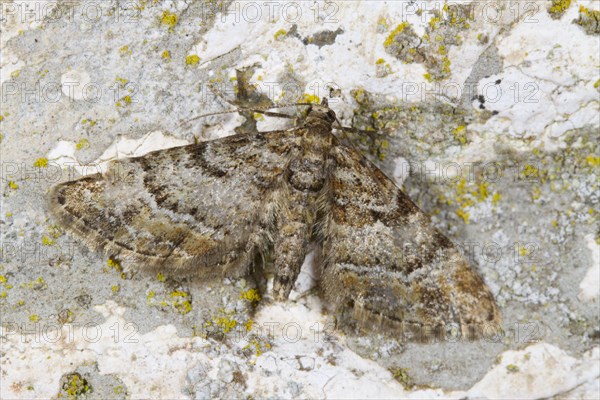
x=209, y=208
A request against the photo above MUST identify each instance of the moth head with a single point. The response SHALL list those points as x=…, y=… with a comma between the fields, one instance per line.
x=321, y=112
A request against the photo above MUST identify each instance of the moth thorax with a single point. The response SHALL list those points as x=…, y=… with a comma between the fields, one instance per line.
x=320, y=116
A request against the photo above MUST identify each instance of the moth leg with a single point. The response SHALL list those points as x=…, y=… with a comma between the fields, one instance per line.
x=289, y=249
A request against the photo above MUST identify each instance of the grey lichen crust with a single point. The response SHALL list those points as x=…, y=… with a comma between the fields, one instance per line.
x=221, y=208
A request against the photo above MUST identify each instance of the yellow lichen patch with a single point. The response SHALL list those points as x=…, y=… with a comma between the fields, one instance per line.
x=122, y=81
x=160, y=277
x=380, y=61
x=434, y=23
x=83, y=143
x=36, y=284
x=459, y=133
x=15, y=73
x=461, y=187
x=192, y=59
x=166, y=55
x=446, y=66
x=559, y=7
x=496, y=198
x=280, y=34
x=54, y=231
x=124, y=50
x=592, y=160
x=310, y=98
x=596, y=85
x=114, y=264
x=220, y=325
x=463, y=214
x=46, y=241
x=466, y=197
x=512, y=368
x=399, y=29
x=251, y=295
x=359, y=95
x=169, y=19
x=482, y=191
x=427, y=77
x=523, y=251
x=183, y=307
x=75, y=387
x=182, y=303
x=589, y=20
x=382, y=22
x=41, y=162
x=225, y=323
x=536, y=193
x=258, y=345
x=534, y=268
x=115, y=288
x=1, y=118
x=382, y=146
x=402, y=376
x=531, y=171
x=249, y=324
x=119, y=389
x=34, y=318
x=150, y=295
x=6, y=285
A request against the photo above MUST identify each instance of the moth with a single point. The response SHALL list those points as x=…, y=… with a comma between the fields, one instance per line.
x=223, y=207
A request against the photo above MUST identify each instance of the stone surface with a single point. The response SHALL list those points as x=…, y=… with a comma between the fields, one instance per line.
x=491, y=126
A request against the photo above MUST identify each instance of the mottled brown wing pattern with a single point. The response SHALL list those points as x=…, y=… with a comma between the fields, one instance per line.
x=195, y=208
x=386, y=267
x=208, y=208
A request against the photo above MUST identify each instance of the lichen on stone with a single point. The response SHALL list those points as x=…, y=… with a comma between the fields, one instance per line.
x=432, y=48
x=558, y=8
x=192, y=59
x=403, y=43
x=74, y=387
x=589, y=20
x=169, y=19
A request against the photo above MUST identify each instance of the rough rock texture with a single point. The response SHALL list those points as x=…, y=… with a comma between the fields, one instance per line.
x=486, y=113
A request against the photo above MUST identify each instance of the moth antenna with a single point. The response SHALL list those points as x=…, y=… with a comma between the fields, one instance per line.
x=261, y=110
x=206, y=115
